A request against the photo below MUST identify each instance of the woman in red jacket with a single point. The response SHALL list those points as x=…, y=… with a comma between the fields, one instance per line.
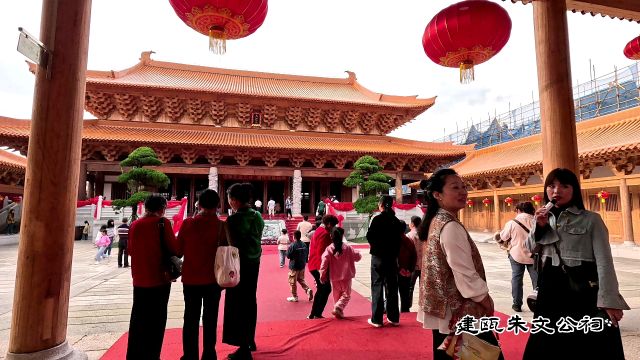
x=199, y=238
x=150, y=286
x=319, y=242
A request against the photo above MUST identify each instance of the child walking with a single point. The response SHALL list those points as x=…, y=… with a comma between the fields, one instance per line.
x=297, y=254
x=102, y=242
x=338, y=264
x=283, y=245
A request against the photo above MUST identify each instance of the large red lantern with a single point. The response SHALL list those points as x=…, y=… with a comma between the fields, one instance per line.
x=221, y=20
x=632, y=50
x=467, y=34
x=486, y=202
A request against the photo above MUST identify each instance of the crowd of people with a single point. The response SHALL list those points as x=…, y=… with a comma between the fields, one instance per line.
x=564, y=247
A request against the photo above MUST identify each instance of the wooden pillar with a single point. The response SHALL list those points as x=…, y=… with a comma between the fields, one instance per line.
x=99, y=183
x=192, y=194
x=496, y=211
x=174, y=187
x=92, y=186
x=265, y=198
x=625, y=206
x=41, y=297
x=82, y=182
x=559, y=143
x=399, y=188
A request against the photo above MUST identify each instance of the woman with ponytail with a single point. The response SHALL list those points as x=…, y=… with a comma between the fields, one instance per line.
x=384, y=237
x=453, y=282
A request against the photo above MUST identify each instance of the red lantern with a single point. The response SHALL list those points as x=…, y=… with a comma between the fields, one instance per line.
x=508, y=200
x=486, y=201
x=467, y=34
x=536, y=199
x=632, y=50
x=469, y=203
x=221, y=20
x=603, y=196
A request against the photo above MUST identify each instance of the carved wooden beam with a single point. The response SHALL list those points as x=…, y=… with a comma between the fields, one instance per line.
x=189, y=155
x=340, y=161
x=110, y=152
x=495, y=182
x=214, y=156
x=318, y=160
x=314, y=117
x=399, y=163
x=99, y=104
x=293, y=117
x=368, y=121
x=127, y=105
x=269, y=115
x=350, y=120
x=621, y=167
x=297, y=159
x=332, y=119
x=271, y=158
x=174, y=108
x=243, y=113
x=164, y=154
x=151, y=107
x=196, y=110
x=218, y=112
x=242, y=157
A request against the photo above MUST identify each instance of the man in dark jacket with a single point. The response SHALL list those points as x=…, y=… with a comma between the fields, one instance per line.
x=384, y=237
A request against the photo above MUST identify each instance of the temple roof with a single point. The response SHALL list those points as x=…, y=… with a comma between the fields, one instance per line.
x=152, y=74
x=11, y=161
x=621, y=9
x=180, y=134
x=598, y=138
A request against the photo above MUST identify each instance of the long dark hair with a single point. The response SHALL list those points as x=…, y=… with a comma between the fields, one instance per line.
x=387, y=203
x=565, y=177
x=242, y=192
x=336, y=235
x=435, y=183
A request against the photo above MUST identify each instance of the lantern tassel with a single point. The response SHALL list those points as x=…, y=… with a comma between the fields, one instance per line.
x=466, y=72
x=217, y=41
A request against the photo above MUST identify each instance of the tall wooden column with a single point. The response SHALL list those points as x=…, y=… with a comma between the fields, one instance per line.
x=43, y=276
x=559, y=143
x=625, y=205
x=496, y=211
x=82, y=182
x=399, y=188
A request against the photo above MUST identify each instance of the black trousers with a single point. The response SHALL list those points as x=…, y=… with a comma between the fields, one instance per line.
x=241, y=307
x=414, y=277
x=438, y=338
x=196, y=297
x=384, y=279
x=404, y=287
x=123, y=255
x=321, y=296
x=148, y=321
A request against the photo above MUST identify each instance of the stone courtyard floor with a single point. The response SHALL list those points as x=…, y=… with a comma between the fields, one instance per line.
x=101, y=295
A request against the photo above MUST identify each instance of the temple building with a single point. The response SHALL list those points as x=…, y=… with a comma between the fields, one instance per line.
x=288, y=135
x=500, y=176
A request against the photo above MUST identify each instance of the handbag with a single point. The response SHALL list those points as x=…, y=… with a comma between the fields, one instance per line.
x=580, y=278
x=172, y=265
x=227, y=269
x=469, y=347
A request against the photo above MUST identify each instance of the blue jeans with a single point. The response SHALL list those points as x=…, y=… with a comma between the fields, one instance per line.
x=517, y=273
x=283, y=255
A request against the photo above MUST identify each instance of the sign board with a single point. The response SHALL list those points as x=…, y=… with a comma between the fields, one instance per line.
x=33, y=49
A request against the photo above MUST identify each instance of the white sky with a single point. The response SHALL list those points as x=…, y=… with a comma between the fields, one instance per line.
x=380, y=41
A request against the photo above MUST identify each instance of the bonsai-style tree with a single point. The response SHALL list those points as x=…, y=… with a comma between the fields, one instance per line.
x=140, y=181
x=367, y=176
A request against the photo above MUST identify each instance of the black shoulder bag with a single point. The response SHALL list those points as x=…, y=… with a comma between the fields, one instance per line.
x=172, y=265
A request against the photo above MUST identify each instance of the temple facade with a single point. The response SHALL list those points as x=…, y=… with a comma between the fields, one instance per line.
x=288, y=135
x=500, y=176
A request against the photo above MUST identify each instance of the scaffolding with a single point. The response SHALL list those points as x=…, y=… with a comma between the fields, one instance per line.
x=610, y=93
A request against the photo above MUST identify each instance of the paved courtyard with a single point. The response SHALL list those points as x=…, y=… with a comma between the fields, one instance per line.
x=100, y=301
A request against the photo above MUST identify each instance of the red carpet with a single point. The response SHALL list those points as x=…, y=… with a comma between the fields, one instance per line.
x=283, y=331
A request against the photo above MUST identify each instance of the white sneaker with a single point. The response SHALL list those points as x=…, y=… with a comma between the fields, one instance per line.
x=292, y=299
x=393, y=323
x=310, y=294
x=374, y=324
x=96, y=263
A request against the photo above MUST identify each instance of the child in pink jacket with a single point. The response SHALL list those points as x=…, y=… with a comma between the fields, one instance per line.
x=338, y=264
x=102, y=244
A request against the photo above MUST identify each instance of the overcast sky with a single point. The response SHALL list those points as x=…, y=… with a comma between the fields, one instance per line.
x=380, y=41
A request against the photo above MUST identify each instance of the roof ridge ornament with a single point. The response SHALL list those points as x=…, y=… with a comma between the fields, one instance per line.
x=352, y=76
x=145, y=56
